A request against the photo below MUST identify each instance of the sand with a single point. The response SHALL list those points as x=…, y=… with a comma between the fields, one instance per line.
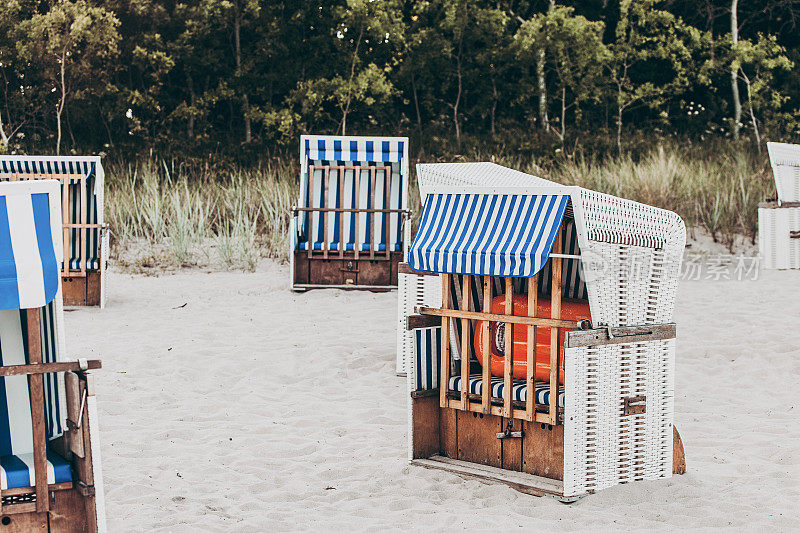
x=228, y=403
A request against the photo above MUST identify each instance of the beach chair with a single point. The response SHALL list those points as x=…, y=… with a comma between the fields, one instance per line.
x=779, y=219
x=85, y=234
x=347, y=229
x=50, y=474
x=575, y=405
x=416, y=289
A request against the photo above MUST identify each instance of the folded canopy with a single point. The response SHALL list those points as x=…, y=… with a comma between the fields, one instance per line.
x=30, y=250
x=487, y=234
x=360, y=149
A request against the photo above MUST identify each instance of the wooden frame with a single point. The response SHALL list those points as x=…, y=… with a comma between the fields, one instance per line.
x=62, y=507
x=505, y=407
x=82, y=226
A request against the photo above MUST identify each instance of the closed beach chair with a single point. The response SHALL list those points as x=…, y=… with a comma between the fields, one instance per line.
x=347, y=228
x=580, y=396
x=779, y=219
x=50, y=473
x=85, y=236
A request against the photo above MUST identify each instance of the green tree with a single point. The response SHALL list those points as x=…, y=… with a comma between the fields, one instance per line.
x=651, y=57
x=71, y=44
x=573, y=50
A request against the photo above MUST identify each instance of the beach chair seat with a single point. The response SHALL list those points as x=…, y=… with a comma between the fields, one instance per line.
x=779, y=218
x=17, y=470
x=519, y=392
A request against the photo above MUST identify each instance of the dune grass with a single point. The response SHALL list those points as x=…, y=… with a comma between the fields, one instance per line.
x=169, y=216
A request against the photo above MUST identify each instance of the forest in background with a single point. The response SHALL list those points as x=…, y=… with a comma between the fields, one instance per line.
x=240, y=80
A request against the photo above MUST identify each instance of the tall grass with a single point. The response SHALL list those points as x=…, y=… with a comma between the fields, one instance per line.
x=163, y=214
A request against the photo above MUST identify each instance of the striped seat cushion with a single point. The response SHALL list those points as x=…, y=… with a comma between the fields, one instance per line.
x=334, y=246
x=518, y=390
x=16, y=471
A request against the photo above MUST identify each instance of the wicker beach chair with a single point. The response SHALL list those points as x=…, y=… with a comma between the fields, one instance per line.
x=347, y=229
x=607, y=417
x=50, y=473
x=779, y=219
x=85, y=234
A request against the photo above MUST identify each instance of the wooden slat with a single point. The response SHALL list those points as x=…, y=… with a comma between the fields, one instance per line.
x=65, y=218
x=46, y=368
x=403, y=268
x=341, y=176
x=555, y=313
x=465, y=341
x=530, y=398
x=497, y=408
x=444, y=371
x=356, y=199
x=387, y=189
x=509, y=350
x=310, y=215
x=82, y=231
x=619, y=335
x=36, y=382
x=325, y=216
x=372, y=186
x=494, y=317
x=422, y=321
x=486, y=378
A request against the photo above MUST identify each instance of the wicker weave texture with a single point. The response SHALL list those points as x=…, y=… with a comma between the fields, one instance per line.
x=776, y=246
x=785, y=161
x=602, y=446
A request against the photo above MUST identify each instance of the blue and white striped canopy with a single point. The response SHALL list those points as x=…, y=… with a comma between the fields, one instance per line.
x=508, y=235
x=29, y=244
x=354, y=149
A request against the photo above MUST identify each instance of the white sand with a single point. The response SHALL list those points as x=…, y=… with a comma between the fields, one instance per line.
x=255, y=409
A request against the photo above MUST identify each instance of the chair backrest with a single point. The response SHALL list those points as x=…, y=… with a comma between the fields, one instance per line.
x=82, y=181
x=785, y=161
x=30, y=251
x=357, y=173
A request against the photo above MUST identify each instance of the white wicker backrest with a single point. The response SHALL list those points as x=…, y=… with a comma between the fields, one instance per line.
x=785, y=161
x=632, y=256
x=476, y=174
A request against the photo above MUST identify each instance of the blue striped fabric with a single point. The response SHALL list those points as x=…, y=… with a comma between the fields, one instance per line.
x=29, y=271
x=345, y=149
x=518, y=390
x=88, y=166
x=427, y=342
x=486, y=234
x=16, y=471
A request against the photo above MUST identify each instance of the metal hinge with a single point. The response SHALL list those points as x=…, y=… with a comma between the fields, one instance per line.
x=634, y=405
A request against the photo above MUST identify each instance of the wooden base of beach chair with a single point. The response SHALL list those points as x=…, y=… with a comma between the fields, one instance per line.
x=528, y=456
x=82, y=290
x=70, y=511
x=347, y=272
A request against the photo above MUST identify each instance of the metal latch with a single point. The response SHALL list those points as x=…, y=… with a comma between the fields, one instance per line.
x=509, y=434
x=634, y=405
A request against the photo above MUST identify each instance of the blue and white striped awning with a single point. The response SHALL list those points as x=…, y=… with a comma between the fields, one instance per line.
x=30, y=251
x=354, y=149
x=487, y=234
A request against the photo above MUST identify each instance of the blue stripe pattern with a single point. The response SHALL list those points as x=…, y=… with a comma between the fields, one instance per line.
x=11, y=291
x=485, y=234
x=427, y=342
x=519, y=392
x=19, y=476
x=331, y=149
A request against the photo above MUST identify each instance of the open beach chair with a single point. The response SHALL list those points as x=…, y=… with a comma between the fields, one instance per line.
x=85, y=234
x=347, y=229
x=602, y=412
x=50, y=474
x=416, y=290
x=779, y=219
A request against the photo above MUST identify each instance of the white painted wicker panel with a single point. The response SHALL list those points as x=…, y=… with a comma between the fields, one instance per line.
x=785, y=161
x=776, y=248
x=630, y=285
x=413, y=291
x=473, y=174
x=602, y=447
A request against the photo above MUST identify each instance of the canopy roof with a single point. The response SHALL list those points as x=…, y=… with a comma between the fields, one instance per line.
x=487, y=234
x=30, y=243
x=346, y=149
